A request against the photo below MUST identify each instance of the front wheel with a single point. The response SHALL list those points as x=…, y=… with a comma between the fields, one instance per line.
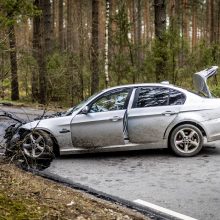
x=186, y=140
x=32, y=149
x=37, y=146
x=37, y=143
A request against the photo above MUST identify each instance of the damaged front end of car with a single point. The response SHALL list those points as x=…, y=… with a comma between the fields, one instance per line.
x=30, y=149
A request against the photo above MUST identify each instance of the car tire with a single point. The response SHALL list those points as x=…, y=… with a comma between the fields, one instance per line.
x=37, y=148
x=186, y=140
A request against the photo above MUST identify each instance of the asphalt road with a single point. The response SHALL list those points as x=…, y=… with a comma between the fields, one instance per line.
x=190, y=186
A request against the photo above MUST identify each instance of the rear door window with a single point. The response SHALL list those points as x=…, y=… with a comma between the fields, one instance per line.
x=176, y=97
x=152, y=96
x=157, y=96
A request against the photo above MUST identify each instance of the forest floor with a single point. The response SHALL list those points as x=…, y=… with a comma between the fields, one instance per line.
x=26, y=196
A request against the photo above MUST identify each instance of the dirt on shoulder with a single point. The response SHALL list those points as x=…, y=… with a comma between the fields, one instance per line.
x=26, y=196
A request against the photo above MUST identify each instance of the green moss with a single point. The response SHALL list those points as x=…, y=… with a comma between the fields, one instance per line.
x=18, y=209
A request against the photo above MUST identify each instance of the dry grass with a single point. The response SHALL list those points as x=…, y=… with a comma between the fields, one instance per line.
x=25, y=196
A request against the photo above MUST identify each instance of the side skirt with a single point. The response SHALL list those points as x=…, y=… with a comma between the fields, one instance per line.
x=126, y=147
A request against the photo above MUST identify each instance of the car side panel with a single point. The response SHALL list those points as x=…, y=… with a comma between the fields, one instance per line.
x=98, y=129
x=147, y=125
x=206, y=114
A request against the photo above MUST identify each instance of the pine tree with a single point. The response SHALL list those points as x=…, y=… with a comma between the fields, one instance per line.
x=95, y=47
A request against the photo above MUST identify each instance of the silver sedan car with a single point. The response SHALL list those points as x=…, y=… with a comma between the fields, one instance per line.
x=131, y=117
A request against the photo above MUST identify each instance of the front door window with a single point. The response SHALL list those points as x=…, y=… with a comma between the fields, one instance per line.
x=111, y=102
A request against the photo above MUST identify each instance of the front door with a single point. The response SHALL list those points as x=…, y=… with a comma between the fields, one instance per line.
x=154, y=108
x=103, y=125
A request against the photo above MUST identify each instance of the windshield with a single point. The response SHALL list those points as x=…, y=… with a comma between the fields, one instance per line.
x=77, y=107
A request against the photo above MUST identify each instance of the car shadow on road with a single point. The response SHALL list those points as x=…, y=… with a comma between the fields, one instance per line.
x=133, y=153
x=207, y=151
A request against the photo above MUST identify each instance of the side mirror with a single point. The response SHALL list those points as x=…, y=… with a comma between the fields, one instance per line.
x=85, y=110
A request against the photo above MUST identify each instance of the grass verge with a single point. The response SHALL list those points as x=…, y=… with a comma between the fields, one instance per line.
x=26, y=196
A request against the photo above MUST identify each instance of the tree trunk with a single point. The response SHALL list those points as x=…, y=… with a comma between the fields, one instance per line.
x=194, y=25
x=48, y=30
x=110, y=33
x=161, y=44
x=212, y=23
x=72, y=25
x=61, y=39
x=147, y=28
x=54, y=16
x=36, y=45
x=107, y=44
x=81, y=49
x=208, y=21
x=95, y=46
x=45, y=48
x=218, y=22
x=213, y=30
x=185, y=20
x=2, y=74
x=160, y=18
x=173, y=32
x=69, y=25
x=13, y=60
x=139, y=42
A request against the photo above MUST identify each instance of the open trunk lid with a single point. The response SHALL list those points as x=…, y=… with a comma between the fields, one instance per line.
x=200, y=80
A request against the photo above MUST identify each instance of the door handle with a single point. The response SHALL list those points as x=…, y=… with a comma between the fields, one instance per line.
x=168, y=113
x=115, y=118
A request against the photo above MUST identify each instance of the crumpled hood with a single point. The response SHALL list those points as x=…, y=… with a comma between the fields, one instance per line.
x=200, y=80
x=31, y=125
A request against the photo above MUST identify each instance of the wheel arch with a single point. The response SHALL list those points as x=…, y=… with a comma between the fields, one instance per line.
x=56, y=148
x=186, y=122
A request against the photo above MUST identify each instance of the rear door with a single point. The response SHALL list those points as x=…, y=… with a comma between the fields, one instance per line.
x=154, y=108
x=103, y=125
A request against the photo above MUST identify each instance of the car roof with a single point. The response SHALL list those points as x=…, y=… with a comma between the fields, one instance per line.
x=145, y=84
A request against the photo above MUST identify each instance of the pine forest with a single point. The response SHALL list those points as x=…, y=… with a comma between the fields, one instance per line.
x=63, y=51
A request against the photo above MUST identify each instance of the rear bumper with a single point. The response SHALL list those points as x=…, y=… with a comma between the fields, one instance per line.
x=212, y=128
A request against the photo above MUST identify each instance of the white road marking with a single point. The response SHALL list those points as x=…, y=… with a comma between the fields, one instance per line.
x=163, y=210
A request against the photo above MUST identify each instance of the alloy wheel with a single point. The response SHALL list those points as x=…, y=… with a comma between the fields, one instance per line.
x=187, y=140
x=34, y=145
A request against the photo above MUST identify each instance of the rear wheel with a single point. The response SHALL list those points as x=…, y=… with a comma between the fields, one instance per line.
x=186, y=140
